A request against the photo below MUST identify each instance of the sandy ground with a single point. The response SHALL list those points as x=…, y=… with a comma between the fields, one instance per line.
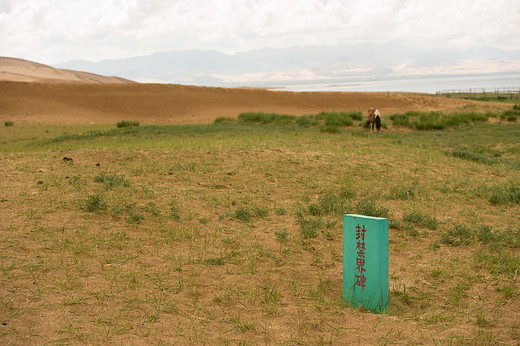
x=33, y=93
x=74, y=103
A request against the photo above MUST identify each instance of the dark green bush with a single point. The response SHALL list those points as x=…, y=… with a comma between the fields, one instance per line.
x=224, y=120
x=247, y=213
x=94, y=203
x=243, y=214
x=126, y=123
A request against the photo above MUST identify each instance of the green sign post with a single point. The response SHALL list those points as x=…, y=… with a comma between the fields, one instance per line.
x=365, y=262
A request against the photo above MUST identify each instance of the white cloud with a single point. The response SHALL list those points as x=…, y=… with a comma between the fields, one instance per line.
x=53, y=31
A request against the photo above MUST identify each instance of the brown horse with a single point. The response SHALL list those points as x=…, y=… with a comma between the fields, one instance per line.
x=374, y=119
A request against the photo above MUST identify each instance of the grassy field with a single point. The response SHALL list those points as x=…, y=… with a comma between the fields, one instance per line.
x=513, y=96
x=231, y=232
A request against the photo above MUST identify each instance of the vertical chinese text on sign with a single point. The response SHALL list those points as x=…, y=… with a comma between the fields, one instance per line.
x=365, y=262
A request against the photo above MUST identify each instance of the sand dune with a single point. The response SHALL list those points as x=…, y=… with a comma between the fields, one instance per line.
x=19, y=70
x=74, y=103
x=39, y=94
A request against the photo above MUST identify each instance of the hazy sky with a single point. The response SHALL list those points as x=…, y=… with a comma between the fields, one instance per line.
x=54, y=31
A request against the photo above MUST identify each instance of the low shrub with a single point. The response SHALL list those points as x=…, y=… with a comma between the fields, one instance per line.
x=434, y=120
x=421, y=220
x=333, y=203
x=266, y=118
x=510, y=237
x=9, y=123
x=458, y=235
x=215, y=261
x=503, y=194
x=224, y=120
x=112, y=180
x=247, y=213
x=94, y=203
x=309, y=227
x=331, y=120
x=243, y=214
x=127, y=123
x=306, y=120
x=282, y=235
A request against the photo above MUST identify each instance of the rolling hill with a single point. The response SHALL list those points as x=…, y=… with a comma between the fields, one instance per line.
x=19, y=70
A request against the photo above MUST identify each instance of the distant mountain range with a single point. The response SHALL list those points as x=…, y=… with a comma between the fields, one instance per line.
x=270, y=66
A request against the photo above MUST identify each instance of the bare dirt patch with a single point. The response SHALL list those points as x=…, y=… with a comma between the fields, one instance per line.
x=73, y=103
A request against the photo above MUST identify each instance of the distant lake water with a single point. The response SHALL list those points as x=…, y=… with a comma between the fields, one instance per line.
x=430, y=84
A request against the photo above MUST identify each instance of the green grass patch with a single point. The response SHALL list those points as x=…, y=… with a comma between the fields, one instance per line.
x=368, y=207
x=310, y=227
x=111, y=181
x=266, y=118
x=434, y=120
x=501, y=194
x=224, y=120
x=458, y=235
x=499, y=262
x=471, y=155
x=247, y=213
x=401, y=192
x=421, y=220
x=127, y=123
x=329, y=120
x=330, y=129
x=94, y=203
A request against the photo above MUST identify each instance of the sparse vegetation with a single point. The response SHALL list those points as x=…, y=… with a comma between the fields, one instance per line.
x=421, y=220
x=508, y=193
x=435, y=121
x=231, y=232
x=8, y=123
x=111, y=181
x=94, y=203
x=224, y=120
x=329, y=122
